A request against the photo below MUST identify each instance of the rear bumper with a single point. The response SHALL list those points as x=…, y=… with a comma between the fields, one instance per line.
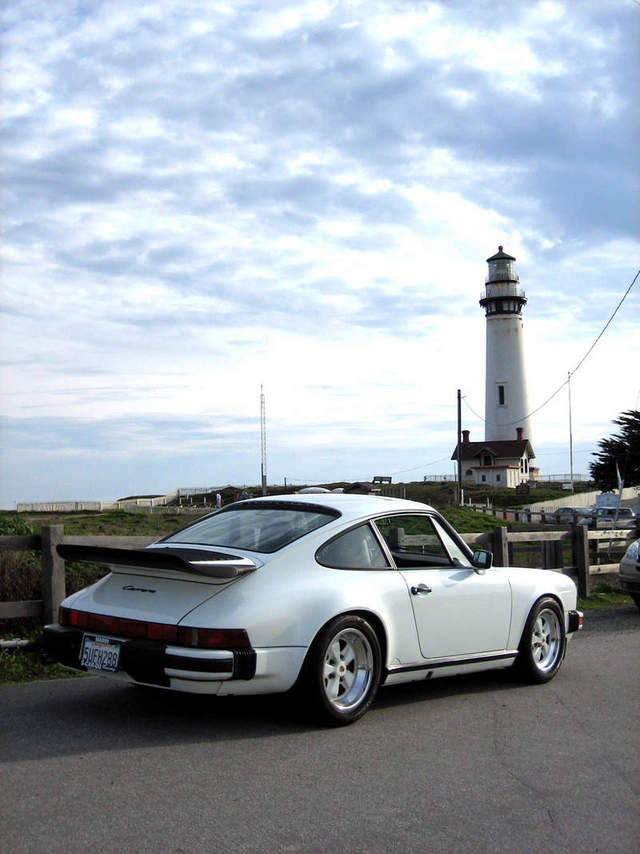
x=152, y=662
x=629, y=585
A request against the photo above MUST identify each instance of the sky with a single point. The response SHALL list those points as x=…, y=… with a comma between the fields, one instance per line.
x=201, y=198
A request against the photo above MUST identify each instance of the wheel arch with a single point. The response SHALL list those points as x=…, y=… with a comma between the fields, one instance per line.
x=534, y=604
x=525, y=664
x=310, y=686
x=525, y=597
x=378, y=626
x=374, y=621
x=542, y=596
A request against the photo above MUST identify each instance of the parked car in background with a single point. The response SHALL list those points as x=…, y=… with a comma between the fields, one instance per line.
x=611, y=517
x=566, y=515
x=329, y=595
x=630, y=572
x=570, y=515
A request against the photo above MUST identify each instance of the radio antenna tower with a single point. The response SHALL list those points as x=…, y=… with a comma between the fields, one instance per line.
x=263, y=443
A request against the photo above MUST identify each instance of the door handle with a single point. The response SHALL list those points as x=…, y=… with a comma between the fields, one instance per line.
x=420, y=590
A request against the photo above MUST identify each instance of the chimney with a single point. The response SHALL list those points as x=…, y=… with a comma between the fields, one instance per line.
x=465, y=437
x=520, y=432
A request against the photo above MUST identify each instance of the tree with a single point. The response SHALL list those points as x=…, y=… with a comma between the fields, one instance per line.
x=621, y=449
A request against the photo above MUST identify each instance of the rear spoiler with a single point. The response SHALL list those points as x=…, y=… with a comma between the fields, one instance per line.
x=198, y=561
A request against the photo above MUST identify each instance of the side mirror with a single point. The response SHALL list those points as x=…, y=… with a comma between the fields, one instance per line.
x=482, y=560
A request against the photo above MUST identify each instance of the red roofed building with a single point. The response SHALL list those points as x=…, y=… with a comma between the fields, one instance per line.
x=503, y=462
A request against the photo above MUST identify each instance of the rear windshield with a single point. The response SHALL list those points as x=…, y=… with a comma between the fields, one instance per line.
x=264, y=528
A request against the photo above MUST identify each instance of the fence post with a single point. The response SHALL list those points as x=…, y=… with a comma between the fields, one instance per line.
x=500, y=546
x=396, y=538
x=552, y=557
x=53, y=584
x=558, y=555
x=581, y=558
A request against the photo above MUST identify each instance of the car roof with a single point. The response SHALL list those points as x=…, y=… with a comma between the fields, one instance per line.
x=350, y=506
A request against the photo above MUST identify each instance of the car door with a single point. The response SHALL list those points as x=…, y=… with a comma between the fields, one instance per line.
x=458, y=611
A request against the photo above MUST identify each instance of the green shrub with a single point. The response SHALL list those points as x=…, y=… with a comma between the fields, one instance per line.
x=14, y=526
x=20, y=574
x=23, y=664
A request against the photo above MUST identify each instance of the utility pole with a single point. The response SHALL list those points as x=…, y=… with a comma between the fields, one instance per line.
x=459, y=450
x=570, y=431
x=263, y=442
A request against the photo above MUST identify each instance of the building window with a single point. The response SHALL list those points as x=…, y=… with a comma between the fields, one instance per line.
x=468, y=473
x=484, y=478
x=486, y=460
x=498, y=478
x=500, y=395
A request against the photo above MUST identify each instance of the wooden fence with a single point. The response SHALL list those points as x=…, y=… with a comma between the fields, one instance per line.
x=586, y=548
x=501, y=542
x=53, y=567
x=521, y=514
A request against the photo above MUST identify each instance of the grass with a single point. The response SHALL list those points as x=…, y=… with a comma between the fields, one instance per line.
x=114, y=523
x=604, y=596
x=441, y=495
x=467, y=521
x=20, y=572
x=23, y=664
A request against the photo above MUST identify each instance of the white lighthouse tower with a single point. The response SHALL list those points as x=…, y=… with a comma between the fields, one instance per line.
x=506, y=402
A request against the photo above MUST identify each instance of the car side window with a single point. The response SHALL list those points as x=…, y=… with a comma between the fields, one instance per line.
x=355, y=549
x=455, y=552
x=413, y=541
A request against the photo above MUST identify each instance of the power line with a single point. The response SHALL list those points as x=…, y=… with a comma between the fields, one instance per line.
x=571, y=373
x=604, y=329
x=423, y=466
x=357, y=479
x=511, y=423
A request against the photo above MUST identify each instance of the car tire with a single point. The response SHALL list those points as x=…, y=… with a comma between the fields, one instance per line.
x=543, y=643
x=636, y=598
x=341, y=674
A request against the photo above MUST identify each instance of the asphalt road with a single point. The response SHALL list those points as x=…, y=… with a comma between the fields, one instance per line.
x=478, y=764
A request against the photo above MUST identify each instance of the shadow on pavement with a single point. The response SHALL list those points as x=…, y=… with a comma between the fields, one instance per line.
x=75, y=716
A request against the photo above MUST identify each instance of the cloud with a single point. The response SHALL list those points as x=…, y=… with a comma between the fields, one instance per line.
x=198, y=198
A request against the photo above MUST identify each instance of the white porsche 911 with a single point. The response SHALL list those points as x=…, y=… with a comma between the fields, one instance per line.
x=330, y=595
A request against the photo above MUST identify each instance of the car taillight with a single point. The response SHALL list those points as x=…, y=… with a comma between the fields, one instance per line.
x=213, y=638
x=178, y=635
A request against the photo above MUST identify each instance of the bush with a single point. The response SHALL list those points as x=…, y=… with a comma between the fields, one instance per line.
x=20, y=574
x=24, y=664
x=79, y=575
x=14, y=526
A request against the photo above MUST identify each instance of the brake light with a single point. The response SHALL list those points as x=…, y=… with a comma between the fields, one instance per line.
x=166, y=633
x=213, y=638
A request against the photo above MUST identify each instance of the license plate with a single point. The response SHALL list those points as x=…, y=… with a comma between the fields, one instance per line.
x=99, y=653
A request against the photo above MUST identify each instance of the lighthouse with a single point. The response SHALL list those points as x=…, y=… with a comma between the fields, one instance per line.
x=504, y=458
x=506, y=402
